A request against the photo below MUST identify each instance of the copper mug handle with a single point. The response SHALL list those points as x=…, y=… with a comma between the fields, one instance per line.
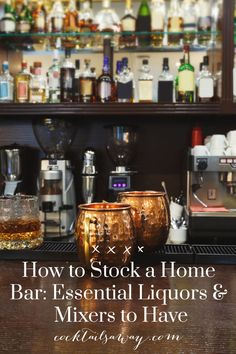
x=86, y=249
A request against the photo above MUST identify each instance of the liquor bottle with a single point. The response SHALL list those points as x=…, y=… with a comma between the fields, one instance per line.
x=94, y=83
x=86, y=18
x=186, y=79
x=125, y=82
x=189, y=21
x=218, y=78
x=54, y=79
x=204, y=22
x=143, y=24
x=22, y=80
x=87, y=79
x=37, y=86
x=145, y=83
x=165, y=85
x=8, y=21
x=158, y=18
x=6, y=84
x=77, y=81
x=107, y=19
x=71, y=20
x=56, y=17
x=128, y=24
x=105, y=83
x=39, y=18
x=205, y=83
x=177, y=80
x=175, y=23
x=23, y=18
x=67, y=75
x=217, y=16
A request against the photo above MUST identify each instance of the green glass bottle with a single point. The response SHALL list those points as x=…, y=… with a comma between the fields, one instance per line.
x=143, y=24
x=186, y=79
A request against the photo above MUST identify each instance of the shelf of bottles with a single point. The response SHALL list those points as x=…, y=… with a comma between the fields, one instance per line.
x=145, y=74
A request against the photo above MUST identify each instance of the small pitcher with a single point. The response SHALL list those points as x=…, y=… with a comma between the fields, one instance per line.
x=151, y=217
x=105, y=233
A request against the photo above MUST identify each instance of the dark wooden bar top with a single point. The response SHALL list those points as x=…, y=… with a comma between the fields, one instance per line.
x=29, y=327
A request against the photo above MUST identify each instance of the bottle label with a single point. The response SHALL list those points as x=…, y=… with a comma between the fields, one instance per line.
x=23, y=26
x=204, y=23
x=157, y=21
x=4, y=90
x=186, y=81
x=54, y=80
x=40, y=23
x=175, y=24
x=125, y=91
x=105, y=90
x=165, y=91
x=128, y=24
x=22, y=90
x=206, y=88
x=145, y=90
x=86, y=87
x=57, y=24
x=189, y=23
x=7, y=25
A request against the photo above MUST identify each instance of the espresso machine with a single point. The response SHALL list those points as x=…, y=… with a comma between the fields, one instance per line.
x=121, y=148
x=56, y=181
x=211, y=198
x=10, y=166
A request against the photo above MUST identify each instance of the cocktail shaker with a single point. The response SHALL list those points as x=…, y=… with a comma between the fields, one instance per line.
x=89, y=174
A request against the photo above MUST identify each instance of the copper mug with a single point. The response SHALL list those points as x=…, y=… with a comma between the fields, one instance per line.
x=105, y=233
x=150, y=211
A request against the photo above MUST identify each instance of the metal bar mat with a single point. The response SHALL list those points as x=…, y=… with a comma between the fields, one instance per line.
x=66, y=251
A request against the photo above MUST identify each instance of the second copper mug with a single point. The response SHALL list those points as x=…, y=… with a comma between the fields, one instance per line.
x=150, y=211
x=105, y=233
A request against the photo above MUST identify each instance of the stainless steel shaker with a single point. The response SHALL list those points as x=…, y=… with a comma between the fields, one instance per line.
x=89, y=174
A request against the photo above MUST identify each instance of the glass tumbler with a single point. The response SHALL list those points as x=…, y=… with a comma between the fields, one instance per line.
x=20, y=226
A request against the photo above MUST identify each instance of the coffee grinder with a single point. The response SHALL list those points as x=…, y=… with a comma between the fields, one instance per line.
x=121, y=147
x=56, y=180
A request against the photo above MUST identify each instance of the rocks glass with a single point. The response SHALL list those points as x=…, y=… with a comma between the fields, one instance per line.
x=150, y=211
x=20, y=226
x=105, y=233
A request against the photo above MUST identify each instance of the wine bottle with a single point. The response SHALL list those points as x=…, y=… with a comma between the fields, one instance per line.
x=143, y=24
x=186, y=79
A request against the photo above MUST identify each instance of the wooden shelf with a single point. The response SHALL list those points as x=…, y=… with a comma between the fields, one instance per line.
x=107, y=109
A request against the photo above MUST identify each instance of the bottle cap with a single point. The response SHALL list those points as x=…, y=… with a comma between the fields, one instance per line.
x=145, y=62
x=77, y=64
x=67, y=52
x=37, y=64
x=24, y=65
x=118, y=66
x=186, y=48
x=125, y=61
x=165, y=63
x=5, y=65
x=200, y=66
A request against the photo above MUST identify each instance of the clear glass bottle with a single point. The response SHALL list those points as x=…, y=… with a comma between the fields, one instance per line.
x=204, y=22
x=218, y=79
x=56, y=17
x=165, y=84
x=125, y=82
x=128, y=24
x=175, y=23
x=54, y=79
x=77, y=81
x=86, y=19
x=145, y=83
x=107, y=19
x=6, y=84
x=37, y=86
x=186, y=79
x=158, y=19
x=87, y=83
x=22, y=80
x=217, y=17
x=71, y=19
x=189, y=21
x=67, y=75
x=105, y=83
x=8, y=21
x=143, y=24
x=39, y=18
x=205, y=83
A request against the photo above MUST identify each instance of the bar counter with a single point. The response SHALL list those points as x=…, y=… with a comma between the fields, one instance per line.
x=30, y=327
